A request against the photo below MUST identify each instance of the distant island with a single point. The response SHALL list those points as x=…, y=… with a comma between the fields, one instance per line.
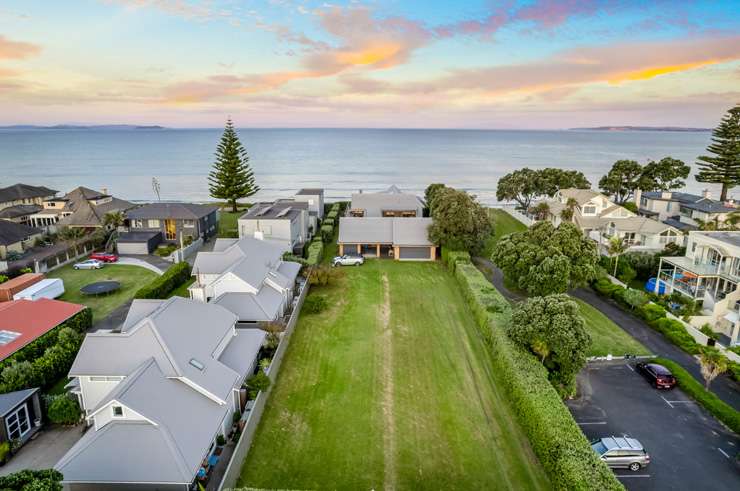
x=641, y=128
x=81, y=127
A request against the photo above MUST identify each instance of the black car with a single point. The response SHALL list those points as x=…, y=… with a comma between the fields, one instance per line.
x=658, y=375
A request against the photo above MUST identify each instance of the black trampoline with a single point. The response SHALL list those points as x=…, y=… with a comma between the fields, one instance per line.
x=100, y=288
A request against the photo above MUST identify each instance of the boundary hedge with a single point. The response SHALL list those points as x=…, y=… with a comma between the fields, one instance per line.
x=315, y=253
x=451, y=258
x=163, y=285
x=561, y=447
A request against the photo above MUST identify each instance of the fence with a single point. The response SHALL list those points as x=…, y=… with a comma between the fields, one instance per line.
x=703, y=339
x=180, y=255
x=245, y=441
x=61, y=258
x=511, y=210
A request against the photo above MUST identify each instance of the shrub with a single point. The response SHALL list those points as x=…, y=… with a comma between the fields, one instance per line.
x=294, y=259
x=220, y=440
x=651, y=312
x=605, y=287
x=325, y=275
x=676, y=333
x=3, y=278
x=165, y=250
x=4, y=450
x=28, y=480
x=315, y=304
x=635, y=298
x=707, y=329
x=720, y=409
x=332, y=215
x=257, y=383
x=451, y=258
x=163, y=285
x=63, y=410
x=327, y=233
x=483, y=299
x=315, y=253
x=625, y=273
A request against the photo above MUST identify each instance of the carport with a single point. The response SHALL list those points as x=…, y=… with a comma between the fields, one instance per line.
x=138, y=243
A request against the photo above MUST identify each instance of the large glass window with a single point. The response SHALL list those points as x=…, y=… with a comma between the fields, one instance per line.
x=17, y=423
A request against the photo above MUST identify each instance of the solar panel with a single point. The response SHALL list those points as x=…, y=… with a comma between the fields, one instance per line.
x=283, y=212
x=264, y=211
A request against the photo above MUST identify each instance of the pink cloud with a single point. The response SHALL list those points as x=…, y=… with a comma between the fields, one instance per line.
x=17, y=49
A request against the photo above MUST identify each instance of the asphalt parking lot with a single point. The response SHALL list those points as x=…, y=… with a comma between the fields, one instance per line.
x=688, y=448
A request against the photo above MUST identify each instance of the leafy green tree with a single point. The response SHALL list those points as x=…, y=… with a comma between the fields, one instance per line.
x=64, y=410
x=19, y=376
x=540, y=211
x=231, y=178
x=723, y=165
x=666, y=174
x=544, y=259
x=635, y=298
x=430, y=193
x=555, y=322
x=712, y=364
x=257, y=383
x=616, y=247
x=30, y=480
x=459, y=222
x=520, y=186
x=622, y=180
x=551, y=179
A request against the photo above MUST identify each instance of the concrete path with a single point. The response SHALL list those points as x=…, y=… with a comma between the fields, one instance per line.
x=723, y=386
x=45, y=450
x=152, y=263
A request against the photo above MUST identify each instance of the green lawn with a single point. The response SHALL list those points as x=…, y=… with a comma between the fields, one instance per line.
x=130, y=277
x=227, y=224
x=606, y=335
x=182, y=290
x=503, y=224
x=391, y=388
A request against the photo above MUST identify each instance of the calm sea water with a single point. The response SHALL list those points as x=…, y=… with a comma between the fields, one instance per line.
x=341, y=161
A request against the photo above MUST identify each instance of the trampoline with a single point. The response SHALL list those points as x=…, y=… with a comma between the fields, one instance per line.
x=100, y=288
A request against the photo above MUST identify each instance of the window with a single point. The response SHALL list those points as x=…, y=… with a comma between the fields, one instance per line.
x=195, y=363
x=138, y=223
x=153, y=223
x=117, y=411
x=188, y=223
x=18, y=423
x=8, y=336
x=589, y=210
x=643, y=202
x=668, y=206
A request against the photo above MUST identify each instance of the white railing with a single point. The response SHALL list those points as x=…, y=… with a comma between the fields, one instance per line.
x=511, y=210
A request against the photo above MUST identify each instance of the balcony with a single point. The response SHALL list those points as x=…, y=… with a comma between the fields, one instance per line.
x=688, y=264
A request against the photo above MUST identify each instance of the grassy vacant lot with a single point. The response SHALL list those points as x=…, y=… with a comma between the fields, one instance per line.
x=606, y=335
x=130, y=277
x=227, y=224
x=503, y=224
x=391, y=388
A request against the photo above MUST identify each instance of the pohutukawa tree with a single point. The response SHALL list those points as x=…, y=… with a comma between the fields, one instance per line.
x=232, y=178
x=524, y=185
x=459, y=222
x=723, y=165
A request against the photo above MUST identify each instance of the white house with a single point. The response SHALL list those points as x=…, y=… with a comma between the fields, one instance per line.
x=315, y=199
x=157, y=394
x=389, y=203
x=284, y=221
x=247, y=276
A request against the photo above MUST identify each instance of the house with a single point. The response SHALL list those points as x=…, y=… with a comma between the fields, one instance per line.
x=24, y=194
x=315, y=199
x=601, y=219
x=168, y=222
x=82, y=208
x=19, y=213
x=683, y=210
x=286, y=221
x=15, y=238
x=400, y=238
x=20, y=415
x=709, y=273
x=389, y=203
x=157, y=394
x=246, y=276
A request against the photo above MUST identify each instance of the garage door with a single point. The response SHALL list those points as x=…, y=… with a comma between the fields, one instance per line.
x=132, y=248
x=414, y=253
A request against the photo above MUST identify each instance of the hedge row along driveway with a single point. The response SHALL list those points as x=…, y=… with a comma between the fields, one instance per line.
x=391, y=387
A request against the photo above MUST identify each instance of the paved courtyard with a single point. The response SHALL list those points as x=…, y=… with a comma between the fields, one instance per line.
x=44, y=450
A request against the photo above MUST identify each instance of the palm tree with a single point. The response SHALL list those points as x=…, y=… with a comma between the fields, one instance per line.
x=732, y=220
x=569, y=211
x=541, y=211
x=71, y=234
x=709, y=224
x=712, y=364
x=113, y=219
x=616, y=247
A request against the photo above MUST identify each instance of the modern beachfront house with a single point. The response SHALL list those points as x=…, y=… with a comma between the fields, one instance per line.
x=389, y=203
x=246, y=276
x=157, y=394
x=709, y=273
x=285, y=221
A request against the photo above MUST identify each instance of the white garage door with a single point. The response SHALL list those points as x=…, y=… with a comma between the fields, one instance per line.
x=132, y=248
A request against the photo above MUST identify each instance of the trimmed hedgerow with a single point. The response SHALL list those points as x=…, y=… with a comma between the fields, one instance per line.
x=163, y=285
x=651, y=312
x=561, y=447
x=720, y=409
x=605, y=287
x=676, y=334
x=315, y=253
x=451, y=258
x=327, y=233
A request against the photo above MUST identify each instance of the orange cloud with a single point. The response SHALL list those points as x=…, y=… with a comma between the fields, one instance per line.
x=648, y=73
x=17, y=49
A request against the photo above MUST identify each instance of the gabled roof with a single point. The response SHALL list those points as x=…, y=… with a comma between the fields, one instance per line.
x=10, y=400
x=310, y=192
x=19, y=211
x=86, y=214
x=24, y=191
x=385, y=230
x=390, y=199
x=582, y=196
x=11, y=232
x=175, y=211
x=248, y=258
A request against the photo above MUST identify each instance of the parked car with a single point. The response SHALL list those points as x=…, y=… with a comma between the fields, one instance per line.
x=621, y=452
x=347, y=260
x=89, y=264
x=106, y=257
x=658, y=375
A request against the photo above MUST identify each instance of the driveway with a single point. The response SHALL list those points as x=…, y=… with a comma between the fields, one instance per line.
x=44, y=450
x=726, y=389
x=689, y=449
x=152, y=263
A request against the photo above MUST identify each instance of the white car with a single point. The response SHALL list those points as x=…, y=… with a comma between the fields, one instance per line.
x=89, y=264
x=347, y=260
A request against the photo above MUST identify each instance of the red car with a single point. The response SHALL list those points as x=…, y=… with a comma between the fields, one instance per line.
x=104, y=256
x=658, y=375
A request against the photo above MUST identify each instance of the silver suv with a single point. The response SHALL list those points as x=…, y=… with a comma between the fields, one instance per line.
x=347, y=260
x=621, y=452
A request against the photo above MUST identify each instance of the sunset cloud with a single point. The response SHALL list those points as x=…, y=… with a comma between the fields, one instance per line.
x=17, y=50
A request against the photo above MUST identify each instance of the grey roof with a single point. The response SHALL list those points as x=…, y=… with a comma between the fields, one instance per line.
x=176, y=211
x=19, y=211
x=673, y=222
x=582, y=196
x=310, y=192
x=385, y=230
x=248, y=258
x=692, y=201
x=10, y=400
x=86, y=214
x=243, y=349
x=277, y=210
x=141, y=236
x=390, y=199
x=11, y=232
x=24, y=191
x=289, y=270
x=732, y=238
x=248, y=307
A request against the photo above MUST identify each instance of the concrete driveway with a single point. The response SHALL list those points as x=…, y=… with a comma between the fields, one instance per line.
x=689, y=449
x=44, y=450
x=152, y=263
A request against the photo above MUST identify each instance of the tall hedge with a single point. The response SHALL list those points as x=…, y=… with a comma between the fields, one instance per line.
x=315, y=253
x=327, y=233
x=561, y=447
x=163, y=285
x=451, y=258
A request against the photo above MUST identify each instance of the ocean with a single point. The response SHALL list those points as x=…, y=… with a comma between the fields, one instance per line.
x=341, y=161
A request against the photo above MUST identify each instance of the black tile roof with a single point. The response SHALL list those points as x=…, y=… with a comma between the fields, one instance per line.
x=11, y=232
x=24, y=191
x=692, y=201
x=176, y=211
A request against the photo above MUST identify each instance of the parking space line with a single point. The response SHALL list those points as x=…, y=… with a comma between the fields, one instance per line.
x=628, y=366
x=667, y=401
x=593, y=423
x=632, y=475
x=723, y=453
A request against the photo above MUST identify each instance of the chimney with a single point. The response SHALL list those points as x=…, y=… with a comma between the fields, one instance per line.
x=638, y=197
x=666, y=194
x=360, y=191
x=104, y=191
x=706, y=194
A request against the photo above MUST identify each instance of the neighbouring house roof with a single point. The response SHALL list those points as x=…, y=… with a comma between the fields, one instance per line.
x=692, y=201
x=582, y=196
x=263, y=306
x=23, y=281
x=732, y=238
x=385, y=230
x=636, y=224
x=31, y=319
x=673, y=222
x=175, y=211
x=24, y=191
x=19, y=211
x=10, y=400
x=87, y=214
x=390, y=199
x=11, y=232
x=248, y=258
x=310, y=192
x=277, y=210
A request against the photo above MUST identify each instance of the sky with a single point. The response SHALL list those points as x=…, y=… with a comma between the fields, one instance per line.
x=535, y=64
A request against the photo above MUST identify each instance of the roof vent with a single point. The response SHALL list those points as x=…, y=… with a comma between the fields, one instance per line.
x=195, y=363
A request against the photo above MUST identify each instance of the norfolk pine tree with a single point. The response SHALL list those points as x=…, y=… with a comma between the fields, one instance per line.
x=723, y=166
x=231, y=178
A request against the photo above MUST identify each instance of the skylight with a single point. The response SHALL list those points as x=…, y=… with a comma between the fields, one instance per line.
x=8, y=336
x=195, y=363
